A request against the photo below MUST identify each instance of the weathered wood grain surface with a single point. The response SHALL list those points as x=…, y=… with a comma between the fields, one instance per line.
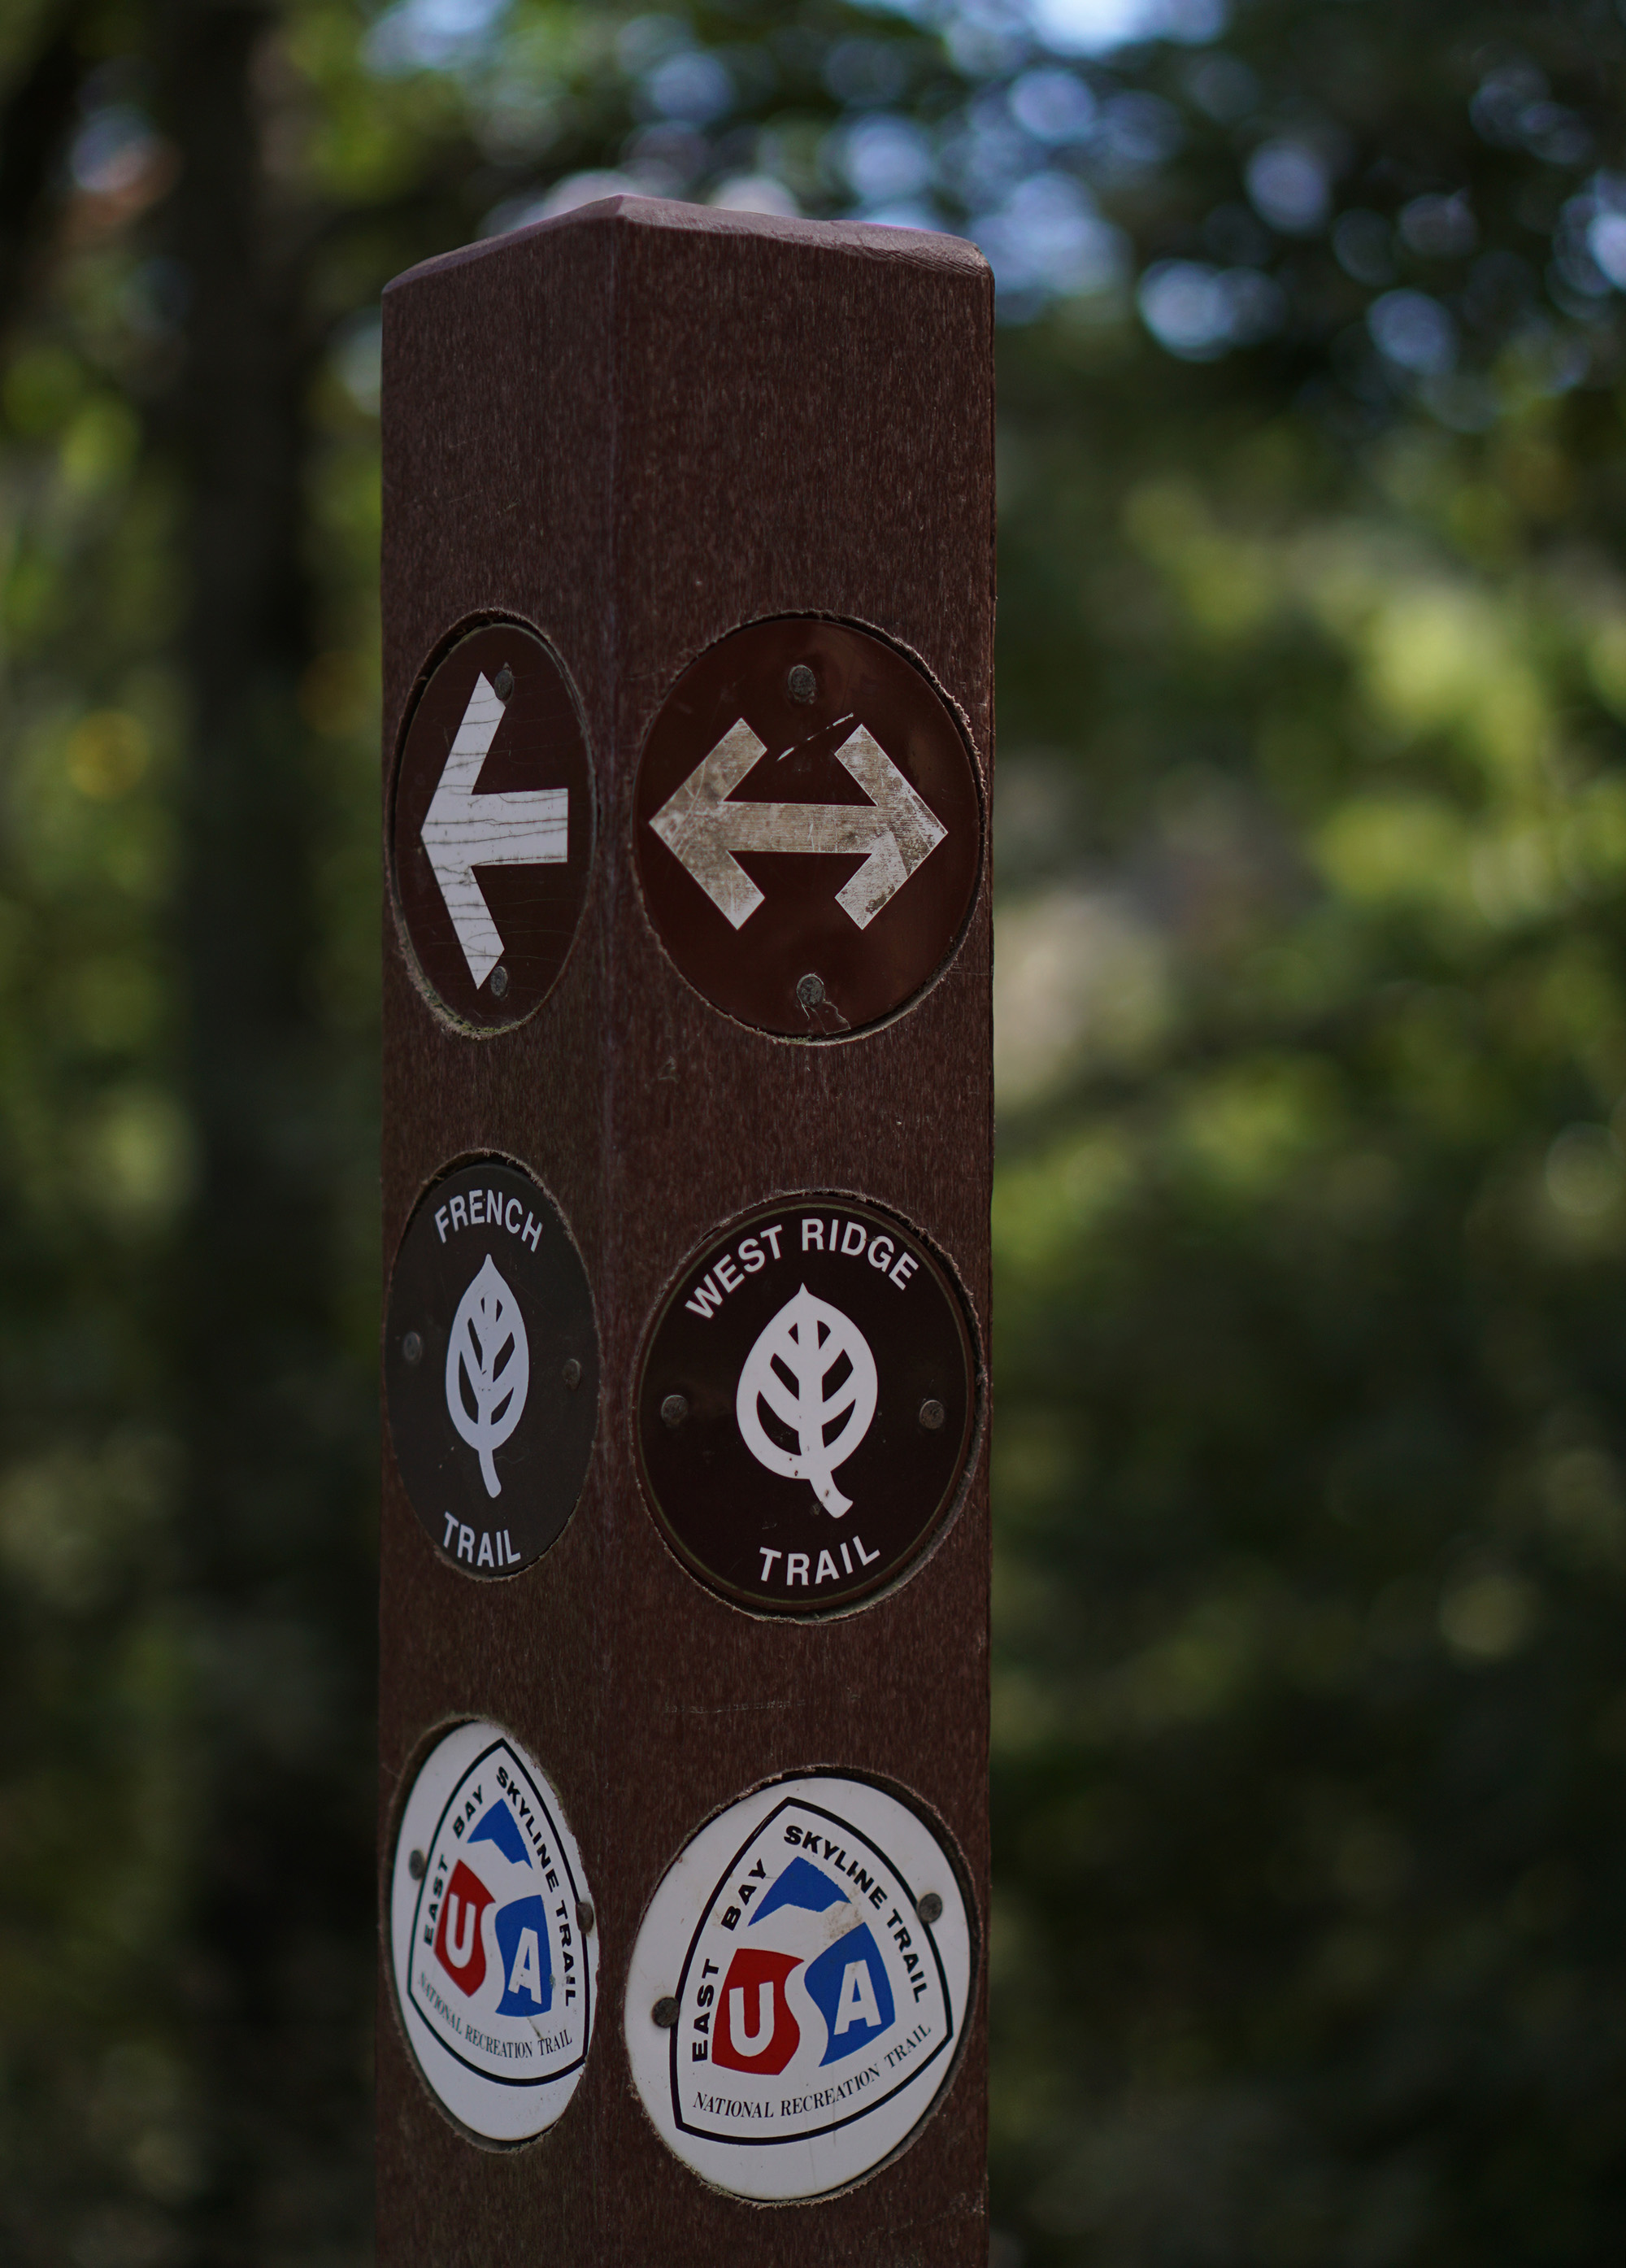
x=636, y=428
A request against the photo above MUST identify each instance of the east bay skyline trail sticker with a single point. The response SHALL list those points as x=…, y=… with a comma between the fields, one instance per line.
x=491, y=1368
x=806, y=1405
x=798, y=1987
x=493, y=1939
x=491, y=826
x=808, y=827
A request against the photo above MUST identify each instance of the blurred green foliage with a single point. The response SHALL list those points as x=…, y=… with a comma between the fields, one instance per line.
x=1310, y=1700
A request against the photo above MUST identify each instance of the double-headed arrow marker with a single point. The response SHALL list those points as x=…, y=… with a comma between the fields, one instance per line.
x=462, y=830
x=897, y=830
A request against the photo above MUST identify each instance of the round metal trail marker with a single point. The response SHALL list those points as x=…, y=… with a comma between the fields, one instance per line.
x=491, y=1368
x=807, y=826
x=791, y=2016
x=495, y=1976
x=806, y=1406
x=491, y=825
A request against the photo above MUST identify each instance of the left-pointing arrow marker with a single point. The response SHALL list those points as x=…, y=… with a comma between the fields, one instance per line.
x=462, y=830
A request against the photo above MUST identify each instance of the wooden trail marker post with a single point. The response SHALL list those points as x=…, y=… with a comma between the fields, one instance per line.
x=688, y=606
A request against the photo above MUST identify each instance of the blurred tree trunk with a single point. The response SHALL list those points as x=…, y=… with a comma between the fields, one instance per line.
x=34, y=126
x=275, y=1580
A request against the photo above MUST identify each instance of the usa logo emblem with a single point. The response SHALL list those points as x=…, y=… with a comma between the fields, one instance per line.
x=493, y=1937
x=799, y=1987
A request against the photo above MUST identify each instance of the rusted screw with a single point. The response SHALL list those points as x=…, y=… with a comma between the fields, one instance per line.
x=810, y=990
x=802, y=685
x=585, y=1916
x=665, y=2012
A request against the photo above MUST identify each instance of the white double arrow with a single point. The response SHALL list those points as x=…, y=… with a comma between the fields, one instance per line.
x=897, y=830
x=462, y=830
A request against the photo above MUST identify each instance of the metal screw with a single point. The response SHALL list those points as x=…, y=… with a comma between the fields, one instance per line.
x=572, y=1374
x=499, y=982
x=810, y=990
x=674, y=1409
x=417, y=1865
x=665, y=2012
x=931, y=1416
x=412, y=1347
x=585, y=1916
x=802, y=685
x=503, y=683
x=930, y=1908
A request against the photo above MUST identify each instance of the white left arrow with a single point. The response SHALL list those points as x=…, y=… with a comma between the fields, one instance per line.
x=462, y=830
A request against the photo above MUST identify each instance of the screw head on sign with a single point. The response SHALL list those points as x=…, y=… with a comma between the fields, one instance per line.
x=416, y=1865
x=585, y=1916
x=412, y=1347
x=665, y=2012
x=930, y=1908
x=674, y=1409
x=503, y=683
x=931, y=1415
x=572, y=1374
x=498, y=982
x=810, y=990
x=802, y=685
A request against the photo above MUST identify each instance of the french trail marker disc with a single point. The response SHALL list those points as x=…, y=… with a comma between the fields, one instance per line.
x=808, y=827
x=491, y=1368
x=799, y=1988
x=806, y=1406
x=493, y=1944
x=491, y=825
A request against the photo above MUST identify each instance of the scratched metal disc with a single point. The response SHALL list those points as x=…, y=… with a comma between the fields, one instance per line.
x=490, y=1368
x=806, y=1406
x=799, y=1988
x=493, y=1952
x=491, y=825
x=808, y=827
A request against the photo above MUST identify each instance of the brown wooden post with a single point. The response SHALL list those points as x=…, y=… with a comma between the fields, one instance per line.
x=639, y=1005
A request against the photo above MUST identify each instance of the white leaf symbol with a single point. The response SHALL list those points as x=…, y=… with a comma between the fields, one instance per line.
x=786, y=1369
x=487, y=1322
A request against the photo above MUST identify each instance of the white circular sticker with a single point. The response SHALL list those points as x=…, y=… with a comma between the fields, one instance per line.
x=799, y=1988
x=492, y=1939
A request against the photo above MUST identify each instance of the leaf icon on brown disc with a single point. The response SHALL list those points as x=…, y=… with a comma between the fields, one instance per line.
x=787, y=1369
x=487, y=1368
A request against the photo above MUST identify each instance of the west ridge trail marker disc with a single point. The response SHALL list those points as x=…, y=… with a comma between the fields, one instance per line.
x=491, y=1368
x=493, y=1945
x=491, y=825
x=808, y=827
x=799, y=1988
x=806, y=1405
